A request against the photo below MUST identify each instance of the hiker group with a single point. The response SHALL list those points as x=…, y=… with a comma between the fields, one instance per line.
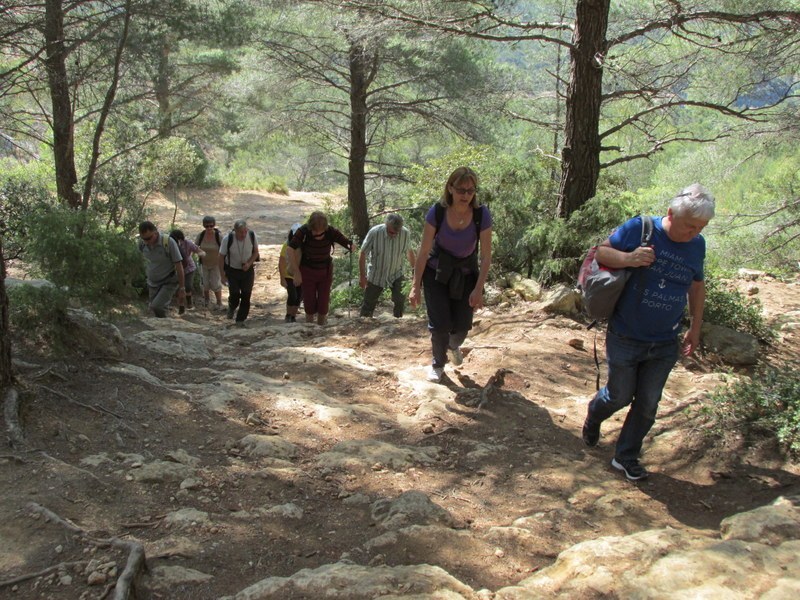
x=646, y=273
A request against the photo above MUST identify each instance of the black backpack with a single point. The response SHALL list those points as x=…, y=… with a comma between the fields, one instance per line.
x=477, y=218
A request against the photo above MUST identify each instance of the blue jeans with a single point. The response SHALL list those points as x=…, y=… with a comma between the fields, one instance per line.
x=637, y=373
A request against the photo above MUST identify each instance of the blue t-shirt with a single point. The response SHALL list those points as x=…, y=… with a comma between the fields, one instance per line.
x=651, y=306
x=459, y=243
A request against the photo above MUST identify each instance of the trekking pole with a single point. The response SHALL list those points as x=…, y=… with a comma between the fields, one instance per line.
x=350, y=283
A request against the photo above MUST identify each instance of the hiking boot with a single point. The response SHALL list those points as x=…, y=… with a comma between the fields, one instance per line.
x=455, y=356
x=287, y=319
x=231, y=312
x=632, y=469
x=434, y=374
x=189, y=301
x=591, y=433
x=181, y=310
x=240, y=324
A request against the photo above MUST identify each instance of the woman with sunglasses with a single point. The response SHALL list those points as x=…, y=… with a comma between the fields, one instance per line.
x=314, y=270
x=448, y=269
x=209, y=240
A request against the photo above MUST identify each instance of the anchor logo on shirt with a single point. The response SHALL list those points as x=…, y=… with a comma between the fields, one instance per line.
x=662, y=284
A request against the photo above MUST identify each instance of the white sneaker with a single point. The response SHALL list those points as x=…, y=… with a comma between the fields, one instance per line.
x=434, y=374
x=455, y=356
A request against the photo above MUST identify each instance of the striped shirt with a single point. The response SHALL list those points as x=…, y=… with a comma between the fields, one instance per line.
x=386, y=254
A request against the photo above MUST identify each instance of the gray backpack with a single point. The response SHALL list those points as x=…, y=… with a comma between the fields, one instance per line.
x=600, y=287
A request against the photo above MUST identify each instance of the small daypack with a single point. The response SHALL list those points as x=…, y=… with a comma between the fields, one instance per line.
x=600, y=287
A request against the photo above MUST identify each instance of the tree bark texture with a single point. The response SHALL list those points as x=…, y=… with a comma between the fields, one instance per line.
x=63, y=121
x=360, y=66
x=6, y=377
x=162, y=89
x=580, y=166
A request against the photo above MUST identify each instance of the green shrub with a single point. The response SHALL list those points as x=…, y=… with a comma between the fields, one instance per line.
x=768, y=403
x=38, y=315
x=730, y=308
x=25, y=194
x=558, y=246
x=74, y=250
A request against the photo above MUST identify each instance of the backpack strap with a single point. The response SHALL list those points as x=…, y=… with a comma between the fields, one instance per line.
x=230, y=243
x=477, y=218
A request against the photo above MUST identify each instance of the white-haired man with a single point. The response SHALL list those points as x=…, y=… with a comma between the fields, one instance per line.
x=642, y=341
x=387, y=246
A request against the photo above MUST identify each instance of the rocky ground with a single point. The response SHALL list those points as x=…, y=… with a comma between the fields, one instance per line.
x=297, y=461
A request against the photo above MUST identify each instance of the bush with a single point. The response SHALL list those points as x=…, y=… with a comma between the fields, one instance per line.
x=730, y=308
x=39, y=314
x=24, y=196
x=558, y=246
x=768, y=403
x=75, y=251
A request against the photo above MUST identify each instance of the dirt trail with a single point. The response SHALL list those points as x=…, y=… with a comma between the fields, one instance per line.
x=347, y=421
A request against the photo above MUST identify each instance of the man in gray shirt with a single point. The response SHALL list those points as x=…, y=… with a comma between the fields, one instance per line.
x=386, y=246
x=164, y=268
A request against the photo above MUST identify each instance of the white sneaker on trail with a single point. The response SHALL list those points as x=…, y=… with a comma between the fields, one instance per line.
x=434, y=374
x=455, y=356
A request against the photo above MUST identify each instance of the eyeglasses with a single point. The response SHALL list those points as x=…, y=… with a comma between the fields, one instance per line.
x=464, y=191
x=147, y=239
x=209, y=225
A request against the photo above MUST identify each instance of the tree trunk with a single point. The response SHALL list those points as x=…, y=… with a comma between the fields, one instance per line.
x=6, y=377
x=580, y=166
x=63, y=124
x=162, y=89
x=356, y=188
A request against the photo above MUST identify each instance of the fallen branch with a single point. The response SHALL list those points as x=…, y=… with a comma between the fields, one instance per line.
x=43, y=572
x=135, y=564
x=496, y=381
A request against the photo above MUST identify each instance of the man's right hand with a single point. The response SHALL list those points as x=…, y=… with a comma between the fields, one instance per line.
x=362, y=281
x=643, y=256
x=298, y=279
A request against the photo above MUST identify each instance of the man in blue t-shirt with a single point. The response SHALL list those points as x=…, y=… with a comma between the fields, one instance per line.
x=642, y=341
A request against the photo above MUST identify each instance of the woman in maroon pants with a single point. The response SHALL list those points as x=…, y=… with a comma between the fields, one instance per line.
x=315, y=269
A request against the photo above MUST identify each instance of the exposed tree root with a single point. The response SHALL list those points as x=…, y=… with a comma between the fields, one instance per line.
x=42, y=573
x=136, y=564
x=16, y=437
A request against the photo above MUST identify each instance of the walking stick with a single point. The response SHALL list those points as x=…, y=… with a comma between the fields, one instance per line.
x=350, y=284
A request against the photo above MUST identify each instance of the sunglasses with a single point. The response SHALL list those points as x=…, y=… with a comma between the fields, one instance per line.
x=465, y=191
x=209, y=225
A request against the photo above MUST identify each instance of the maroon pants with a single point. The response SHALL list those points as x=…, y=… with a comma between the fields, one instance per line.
x=317, y=289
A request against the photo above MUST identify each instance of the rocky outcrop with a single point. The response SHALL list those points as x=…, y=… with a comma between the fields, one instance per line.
x=756, y=556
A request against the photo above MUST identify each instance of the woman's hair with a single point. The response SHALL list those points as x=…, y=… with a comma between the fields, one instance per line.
x=460, y=175
x=317, y=220
x=694, y=201
x=177, y=235
x=209, y=220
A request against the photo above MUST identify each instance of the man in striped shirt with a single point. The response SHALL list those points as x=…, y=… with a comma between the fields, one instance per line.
x=386, y=246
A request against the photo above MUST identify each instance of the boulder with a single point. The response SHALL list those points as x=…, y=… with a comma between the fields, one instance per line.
x=563, y=300
x=734, y=347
